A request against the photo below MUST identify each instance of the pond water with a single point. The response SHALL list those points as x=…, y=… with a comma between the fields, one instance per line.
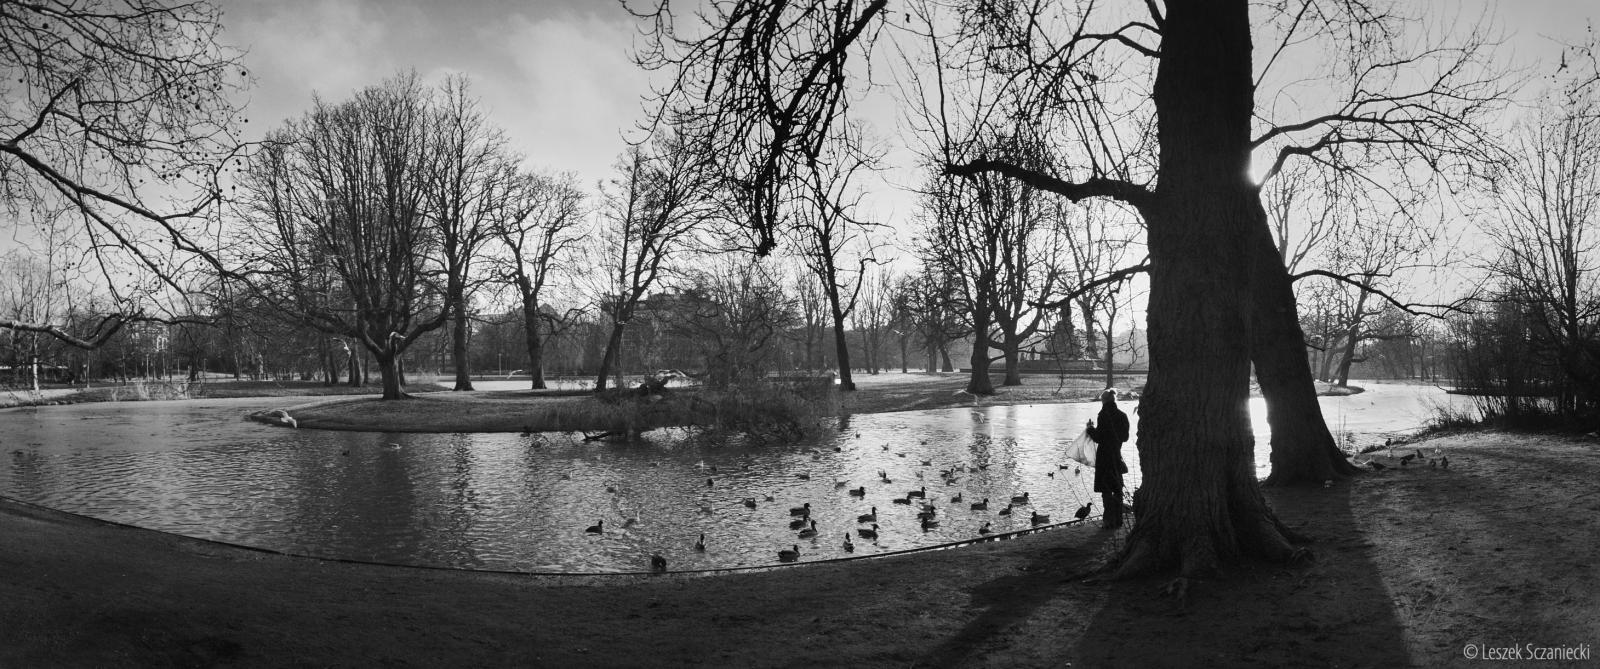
x=510, y=502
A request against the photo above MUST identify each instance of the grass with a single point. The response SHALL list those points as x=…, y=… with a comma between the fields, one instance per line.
x=757, y=409
x=762, y=410
x=141, y=390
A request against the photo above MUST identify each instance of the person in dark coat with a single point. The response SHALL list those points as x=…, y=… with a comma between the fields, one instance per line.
x=1109, y=467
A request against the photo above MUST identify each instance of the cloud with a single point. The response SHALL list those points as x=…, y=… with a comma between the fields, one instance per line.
x=296, y=49
x=571, y=91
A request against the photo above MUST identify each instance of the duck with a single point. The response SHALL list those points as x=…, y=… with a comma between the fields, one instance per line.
x=803, y=510
x=929, y=523
x=750, y=502
x=865, y=533
x=789, y=554
x=981, y=506
x=630, y=522
x=1083, y=511
x=799, y=523
x=921, y=492
x=956, y=498
x=809, y=532
x=1039, y=518
x=858, y=492
x=1006, y=511
x=701, y=544
x=901, y=500
x=927, y=463
x=393, y=446
x=1406, y=459
x=840, y=484
x=884, y=476
x=985, y=529
x=868, y=517
x=1444, y=462
x=710, y=483
x=803, y=476
x=928, y=512
x=1020, y=499
x=848, y=547
x=658, y=563
x=599, y=527
x=1376, y=466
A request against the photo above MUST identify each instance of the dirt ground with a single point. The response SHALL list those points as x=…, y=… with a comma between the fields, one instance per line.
x=1414, y=566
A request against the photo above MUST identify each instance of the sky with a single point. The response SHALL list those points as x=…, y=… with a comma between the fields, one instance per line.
x=556, y=74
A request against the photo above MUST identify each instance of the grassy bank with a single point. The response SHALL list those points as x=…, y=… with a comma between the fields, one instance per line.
x=147, y=390
x=757, y=409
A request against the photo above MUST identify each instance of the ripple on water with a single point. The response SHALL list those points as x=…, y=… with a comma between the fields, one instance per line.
x=503, y=501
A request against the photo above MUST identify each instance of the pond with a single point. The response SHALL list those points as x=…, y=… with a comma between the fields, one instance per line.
x=513, y=502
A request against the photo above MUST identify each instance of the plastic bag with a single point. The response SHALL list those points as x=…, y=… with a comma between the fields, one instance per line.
x=1082, y=449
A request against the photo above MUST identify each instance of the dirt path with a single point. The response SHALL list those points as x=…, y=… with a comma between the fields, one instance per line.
x=1413, y=564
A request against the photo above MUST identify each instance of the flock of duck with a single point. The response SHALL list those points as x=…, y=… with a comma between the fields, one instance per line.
x=927, y=512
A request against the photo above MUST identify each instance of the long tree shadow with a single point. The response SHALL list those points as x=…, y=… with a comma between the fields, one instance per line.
x=1333, y=612
x=1009, y=600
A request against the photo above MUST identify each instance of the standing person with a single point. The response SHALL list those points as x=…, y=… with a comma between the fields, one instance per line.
x=1109, y=467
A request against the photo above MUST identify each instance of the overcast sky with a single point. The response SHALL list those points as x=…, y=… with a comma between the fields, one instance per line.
x=555, y=73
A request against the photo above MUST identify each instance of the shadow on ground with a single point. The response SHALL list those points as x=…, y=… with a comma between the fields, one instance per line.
x=1334, y=612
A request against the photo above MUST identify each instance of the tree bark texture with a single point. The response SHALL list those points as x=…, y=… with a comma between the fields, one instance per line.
x=1200, y=503
x=610, y=362
x=530, y=326
x=1303, y=450
x=458, y=341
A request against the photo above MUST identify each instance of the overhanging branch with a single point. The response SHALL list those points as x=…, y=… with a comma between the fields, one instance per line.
x=1413, y=308
x=1116, y=189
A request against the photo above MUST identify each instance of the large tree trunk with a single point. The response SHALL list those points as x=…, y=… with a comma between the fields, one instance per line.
x=458, y=341
x=609, y=362
x=1013, y=368
x=393, y=379
x=978, y=383
x=530, y=325
x=1352, y=338
x=1200, y=503
x=1303, y=451
x=841, y=347
x=353, y=358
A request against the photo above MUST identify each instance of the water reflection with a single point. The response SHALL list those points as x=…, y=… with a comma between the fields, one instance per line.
x=504, y=501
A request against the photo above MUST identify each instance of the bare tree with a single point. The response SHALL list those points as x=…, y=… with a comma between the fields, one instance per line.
x=826, y=232
x=463, y=187
x=732, y=328
x=337, y=226
x=122, y=111
x=660, y=197
x=928, y=301
x=1548, y=198
x=539, y=225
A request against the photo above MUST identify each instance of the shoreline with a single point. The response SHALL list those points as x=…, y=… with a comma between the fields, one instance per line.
x=1412, y=564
